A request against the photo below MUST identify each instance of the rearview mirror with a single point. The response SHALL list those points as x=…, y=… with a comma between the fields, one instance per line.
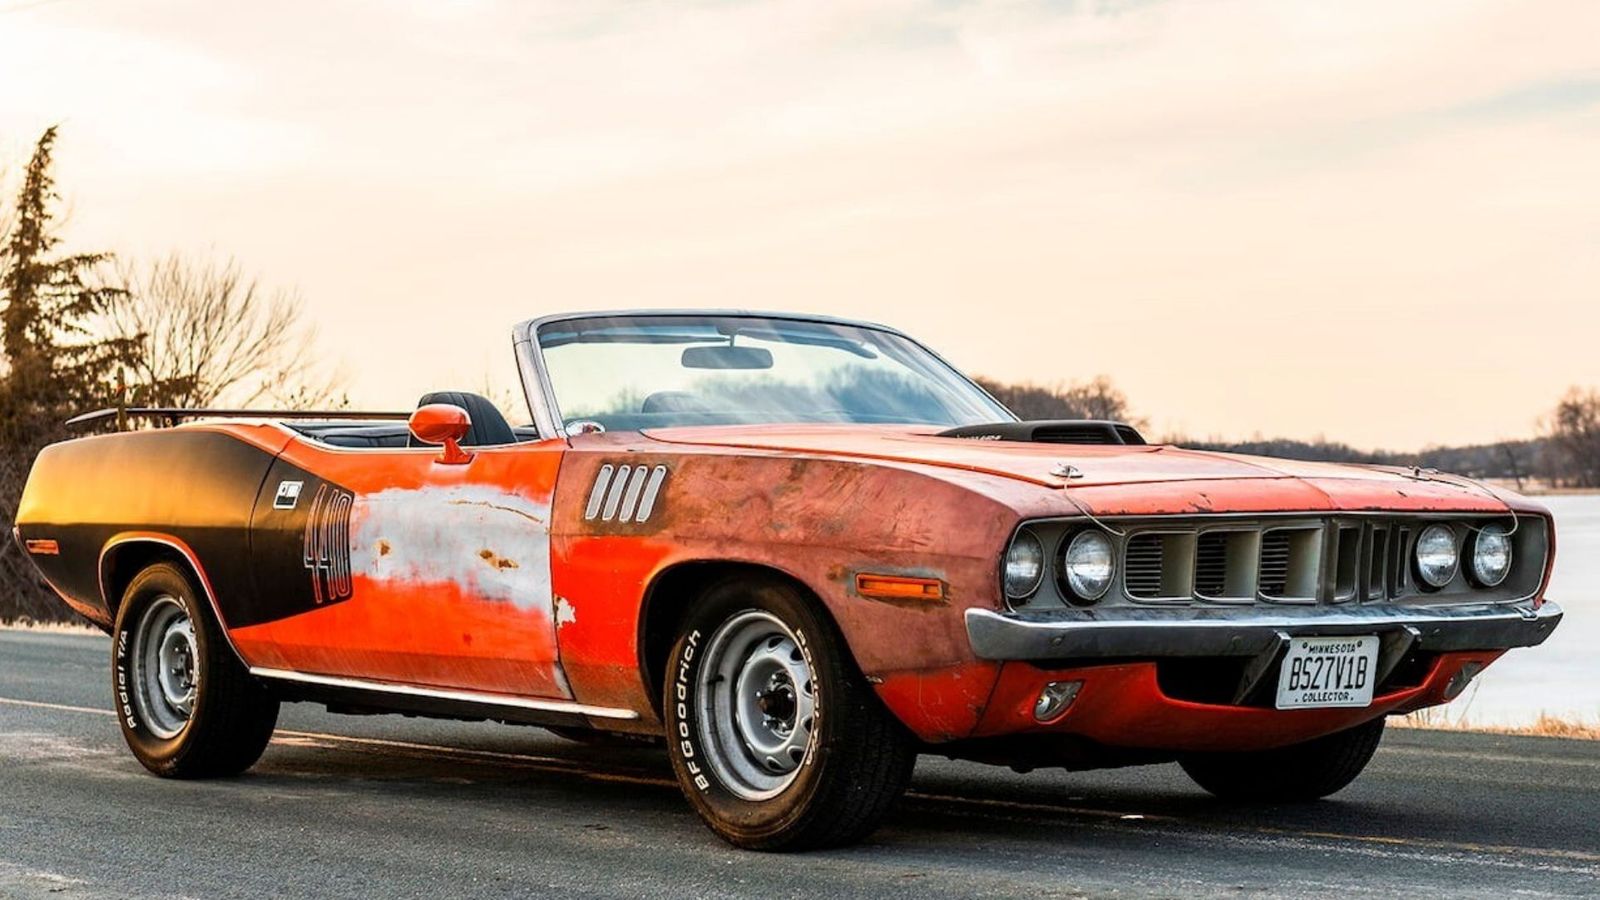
x=725, y=357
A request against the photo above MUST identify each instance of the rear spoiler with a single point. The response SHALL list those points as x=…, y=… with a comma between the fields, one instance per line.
x=171, y=416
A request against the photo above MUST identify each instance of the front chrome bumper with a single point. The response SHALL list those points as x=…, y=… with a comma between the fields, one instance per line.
x=1147, y=632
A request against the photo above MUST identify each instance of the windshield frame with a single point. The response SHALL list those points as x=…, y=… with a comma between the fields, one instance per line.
x=539, y=390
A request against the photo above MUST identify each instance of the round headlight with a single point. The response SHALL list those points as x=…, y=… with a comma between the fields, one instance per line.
x=1437, y=555
x=1024, y=565
x=1088, y=565
x=1491, y=556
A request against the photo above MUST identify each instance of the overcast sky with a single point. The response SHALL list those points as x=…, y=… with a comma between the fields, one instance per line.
x=1374, y=221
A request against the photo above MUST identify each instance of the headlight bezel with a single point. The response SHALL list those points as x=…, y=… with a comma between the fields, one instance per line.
x=1476, y=552
x=1420, y=570
x=1021, y=538
x=1072, y=592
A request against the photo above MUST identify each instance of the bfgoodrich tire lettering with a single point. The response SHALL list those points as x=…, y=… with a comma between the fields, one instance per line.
x=1302, y=772
x=776, y=739
x=187, y=706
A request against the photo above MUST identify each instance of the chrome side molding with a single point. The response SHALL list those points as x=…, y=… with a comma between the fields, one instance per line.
x=475, y=698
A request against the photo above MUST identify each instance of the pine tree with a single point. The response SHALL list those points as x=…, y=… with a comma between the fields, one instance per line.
x=55, y=366
x=52, y=364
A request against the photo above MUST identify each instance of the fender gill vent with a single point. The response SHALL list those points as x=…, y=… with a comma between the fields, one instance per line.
x=624, y=493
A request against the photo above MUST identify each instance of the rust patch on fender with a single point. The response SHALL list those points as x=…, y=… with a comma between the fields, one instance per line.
x=496, y=560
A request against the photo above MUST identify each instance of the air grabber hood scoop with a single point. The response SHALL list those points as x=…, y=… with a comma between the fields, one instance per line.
x=1052, y=431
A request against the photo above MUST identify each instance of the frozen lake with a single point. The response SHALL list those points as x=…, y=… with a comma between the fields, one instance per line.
x=1561, y=677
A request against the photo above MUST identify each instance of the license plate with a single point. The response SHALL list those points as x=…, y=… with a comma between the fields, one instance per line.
x=1328, y=671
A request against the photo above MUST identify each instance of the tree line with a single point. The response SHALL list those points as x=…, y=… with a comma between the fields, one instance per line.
x=88, y=330
x=1565, y=455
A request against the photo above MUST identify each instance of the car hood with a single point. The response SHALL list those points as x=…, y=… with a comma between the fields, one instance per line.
x=1145, y=470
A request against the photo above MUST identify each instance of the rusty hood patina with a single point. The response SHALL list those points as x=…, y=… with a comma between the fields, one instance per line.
x=1151, y=479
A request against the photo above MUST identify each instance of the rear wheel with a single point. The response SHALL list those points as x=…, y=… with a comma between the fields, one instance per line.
x=776, y=739
x=187, y=706
x=1308, y=771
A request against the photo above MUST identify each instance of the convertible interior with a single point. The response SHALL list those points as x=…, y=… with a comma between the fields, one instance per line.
x=662, y=409
x=489, y=426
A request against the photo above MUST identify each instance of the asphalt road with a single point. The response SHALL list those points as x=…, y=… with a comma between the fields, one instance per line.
x=388, y=806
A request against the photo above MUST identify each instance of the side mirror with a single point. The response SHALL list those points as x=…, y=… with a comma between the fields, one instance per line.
x=441, y=423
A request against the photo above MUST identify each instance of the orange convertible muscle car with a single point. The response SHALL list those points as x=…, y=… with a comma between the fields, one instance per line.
x=800, y=550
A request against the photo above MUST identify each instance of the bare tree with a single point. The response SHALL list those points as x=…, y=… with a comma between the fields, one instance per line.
x=1574, y=429
x=1514, y=463
x=1097, y=398
x=209, y=334
x=511, y=403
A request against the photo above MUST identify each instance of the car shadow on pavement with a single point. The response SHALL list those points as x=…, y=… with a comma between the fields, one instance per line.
x=622, y=784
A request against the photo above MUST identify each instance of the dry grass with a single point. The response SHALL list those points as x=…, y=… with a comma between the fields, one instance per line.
x=50, y=627
x=1544, y=726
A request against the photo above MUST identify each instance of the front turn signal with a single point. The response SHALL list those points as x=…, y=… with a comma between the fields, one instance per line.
x=899, y=587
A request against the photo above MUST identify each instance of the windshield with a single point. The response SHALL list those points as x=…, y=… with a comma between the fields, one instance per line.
x=633, y=372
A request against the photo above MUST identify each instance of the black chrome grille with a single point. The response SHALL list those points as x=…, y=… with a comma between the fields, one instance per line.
x=1399, y=550
x=1377, y=562
x=1291, y=560
x=1211, y=564
x=1142, y=565
x=1274, y=565
x=1347, y=563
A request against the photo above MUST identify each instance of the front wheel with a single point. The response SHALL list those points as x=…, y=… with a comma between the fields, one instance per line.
x=776, y=739
x=187, y=706
x=1302, y=772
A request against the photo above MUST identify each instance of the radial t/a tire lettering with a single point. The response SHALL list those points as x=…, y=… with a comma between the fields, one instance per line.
x=775, y=737
x=186, y=705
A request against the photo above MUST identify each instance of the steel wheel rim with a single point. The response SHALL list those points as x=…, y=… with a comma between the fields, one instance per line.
x=165, y=672
x=757, y=705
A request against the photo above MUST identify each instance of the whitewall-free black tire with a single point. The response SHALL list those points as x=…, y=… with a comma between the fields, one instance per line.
x=187, y=706
x=776, y=739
